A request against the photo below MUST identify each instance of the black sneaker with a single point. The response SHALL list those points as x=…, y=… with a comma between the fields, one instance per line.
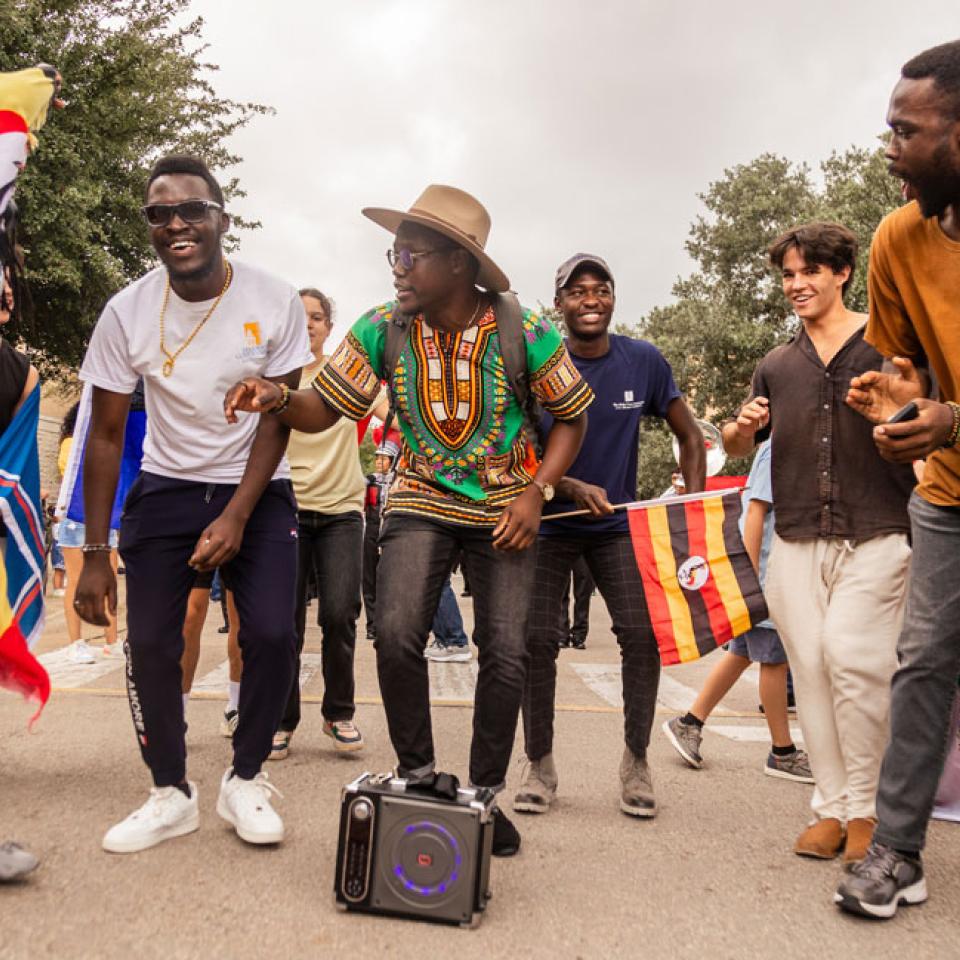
x=879, y=883
x=506, y=837
x=578, y=642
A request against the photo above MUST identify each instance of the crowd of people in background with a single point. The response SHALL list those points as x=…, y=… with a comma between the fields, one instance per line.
x=495, y=428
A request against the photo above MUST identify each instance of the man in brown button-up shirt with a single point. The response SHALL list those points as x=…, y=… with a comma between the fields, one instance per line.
x=838, y=565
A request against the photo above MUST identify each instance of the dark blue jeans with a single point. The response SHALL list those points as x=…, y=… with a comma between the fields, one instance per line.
x=925, y=684
x=415, y=562
x=330, y=548
x=162, y=521
x=448, y=624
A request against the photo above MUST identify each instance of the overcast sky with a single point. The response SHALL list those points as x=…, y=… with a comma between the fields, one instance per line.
x=580, y=125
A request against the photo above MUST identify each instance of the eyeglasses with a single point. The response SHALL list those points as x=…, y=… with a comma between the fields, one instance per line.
x=189, y=211
x=408, y=258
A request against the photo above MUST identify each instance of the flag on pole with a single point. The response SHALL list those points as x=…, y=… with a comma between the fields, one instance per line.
x=21, y=573
x=700, y=586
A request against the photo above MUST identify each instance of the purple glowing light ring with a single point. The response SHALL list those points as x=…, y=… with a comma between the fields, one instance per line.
x=443, y=886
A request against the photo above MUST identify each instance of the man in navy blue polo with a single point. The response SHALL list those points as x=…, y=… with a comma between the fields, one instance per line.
x=631, y=380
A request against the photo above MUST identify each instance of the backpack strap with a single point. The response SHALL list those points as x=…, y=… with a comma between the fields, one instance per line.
x=398, y=330
x=513, y=348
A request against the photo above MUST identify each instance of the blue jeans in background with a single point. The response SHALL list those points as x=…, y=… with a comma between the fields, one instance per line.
x=447, y=622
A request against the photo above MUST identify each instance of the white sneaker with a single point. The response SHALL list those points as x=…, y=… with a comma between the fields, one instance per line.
x=168, y=813
x=58, y=591
x=113, y=651
x=246, y=804
x=80, y=652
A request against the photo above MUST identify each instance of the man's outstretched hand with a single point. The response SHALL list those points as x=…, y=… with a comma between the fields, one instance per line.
x=878, y=395
x=253, y=395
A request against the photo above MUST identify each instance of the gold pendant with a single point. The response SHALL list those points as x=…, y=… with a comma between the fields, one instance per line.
x=167, y=367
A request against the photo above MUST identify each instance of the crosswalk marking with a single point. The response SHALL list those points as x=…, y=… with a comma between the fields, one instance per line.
x=749, y=733
x=216, y=680
x=674, y=694
x=65, y=673
x=448, y=682
x=603, y=679
x=453, y=681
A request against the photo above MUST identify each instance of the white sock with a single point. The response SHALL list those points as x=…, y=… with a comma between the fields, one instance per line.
x=186, y=700
x=233, y=695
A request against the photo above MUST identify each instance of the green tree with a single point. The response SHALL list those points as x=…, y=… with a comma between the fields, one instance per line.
x=731, y=311
x=136, y=84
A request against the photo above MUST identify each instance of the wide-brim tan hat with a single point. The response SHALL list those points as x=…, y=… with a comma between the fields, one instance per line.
x=456, y=215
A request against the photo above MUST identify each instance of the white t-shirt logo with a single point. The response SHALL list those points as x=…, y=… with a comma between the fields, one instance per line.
x=253, y=346
x=251, y=334
x=693, y=573
x=628, y=396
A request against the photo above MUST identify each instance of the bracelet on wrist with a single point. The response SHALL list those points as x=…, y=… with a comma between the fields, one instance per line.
x=284, y=400
x=96, y=548
x=953, y=438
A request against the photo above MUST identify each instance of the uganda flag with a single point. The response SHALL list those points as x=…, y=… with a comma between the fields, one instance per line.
x=700, y=585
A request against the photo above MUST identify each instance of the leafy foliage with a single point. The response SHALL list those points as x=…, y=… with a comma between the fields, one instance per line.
x=135, y=82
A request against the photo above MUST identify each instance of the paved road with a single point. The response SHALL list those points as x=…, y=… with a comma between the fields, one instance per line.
x=711, y=877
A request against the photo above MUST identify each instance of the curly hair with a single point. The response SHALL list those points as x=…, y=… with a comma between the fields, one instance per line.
x=829, y=244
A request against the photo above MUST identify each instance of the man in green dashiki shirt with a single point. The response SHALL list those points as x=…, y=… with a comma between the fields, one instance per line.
x=468, y=479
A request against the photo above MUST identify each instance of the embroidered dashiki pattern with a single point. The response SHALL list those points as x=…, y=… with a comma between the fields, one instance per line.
x=464, y=453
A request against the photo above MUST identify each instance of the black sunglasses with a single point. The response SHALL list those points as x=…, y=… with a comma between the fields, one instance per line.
x=189, y=211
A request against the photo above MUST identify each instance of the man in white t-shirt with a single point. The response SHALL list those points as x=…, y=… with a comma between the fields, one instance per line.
x=210, y=494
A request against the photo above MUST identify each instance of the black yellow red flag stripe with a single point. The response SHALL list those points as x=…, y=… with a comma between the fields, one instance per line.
x=700, y=586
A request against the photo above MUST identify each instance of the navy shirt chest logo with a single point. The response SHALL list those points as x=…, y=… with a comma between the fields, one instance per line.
x=628, y=403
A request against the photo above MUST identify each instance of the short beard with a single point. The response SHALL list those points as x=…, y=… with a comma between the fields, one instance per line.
x=202, y=272
x=940, y=188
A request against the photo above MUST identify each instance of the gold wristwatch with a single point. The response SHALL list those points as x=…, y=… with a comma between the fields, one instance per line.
x=546, y=489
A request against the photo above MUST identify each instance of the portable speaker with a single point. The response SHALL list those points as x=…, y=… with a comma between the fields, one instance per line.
x=415, y=850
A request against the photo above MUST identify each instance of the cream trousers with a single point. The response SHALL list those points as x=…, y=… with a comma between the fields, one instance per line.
x=838, y=605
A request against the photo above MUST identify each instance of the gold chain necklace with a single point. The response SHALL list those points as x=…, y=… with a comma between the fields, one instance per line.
x=172, y=357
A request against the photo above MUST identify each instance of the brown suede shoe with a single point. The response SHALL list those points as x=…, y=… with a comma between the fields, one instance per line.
x=822, y=839
x=859, y=835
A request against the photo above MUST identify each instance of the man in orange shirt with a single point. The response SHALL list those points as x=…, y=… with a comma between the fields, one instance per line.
x=914, y=286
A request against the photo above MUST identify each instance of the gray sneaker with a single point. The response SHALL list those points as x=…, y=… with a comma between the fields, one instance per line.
x=15, y=862
x=794, y=766
x=685, y=738
x=636, y=786
x=538, y=786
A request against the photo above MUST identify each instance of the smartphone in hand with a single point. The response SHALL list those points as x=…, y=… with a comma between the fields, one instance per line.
x=908, y=411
